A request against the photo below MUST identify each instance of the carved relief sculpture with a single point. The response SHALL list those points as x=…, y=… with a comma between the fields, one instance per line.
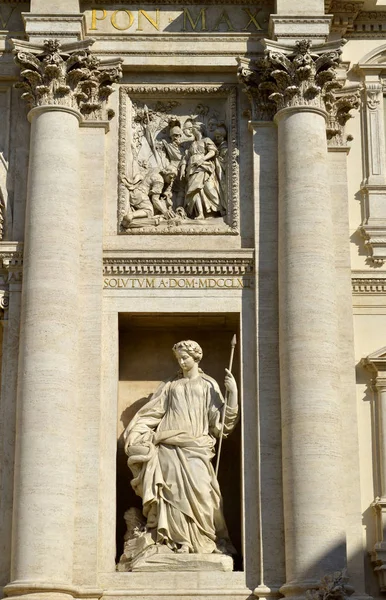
x=170, y=445
x=179, y=155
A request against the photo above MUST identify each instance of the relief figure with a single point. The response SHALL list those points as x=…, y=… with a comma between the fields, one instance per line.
x=150, y=195
x=170, y=445
x=202, y=197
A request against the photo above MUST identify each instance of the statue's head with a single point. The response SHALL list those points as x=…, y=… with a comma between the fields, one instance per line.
x=192, y=348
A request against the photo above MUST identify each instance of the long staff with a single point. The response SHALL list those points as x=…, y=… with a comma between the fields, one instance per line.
x=233, y=345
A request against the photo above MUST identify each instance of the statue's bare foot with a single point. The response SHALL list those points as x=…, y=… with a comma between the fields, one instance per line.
x=183, y=549
x=199, y=217
x=127, y=219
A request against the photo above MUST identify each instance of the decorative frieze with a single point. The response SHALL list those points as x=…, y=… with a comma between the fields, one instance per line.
x=194, y=273
x=368, y=285
x=66, y=75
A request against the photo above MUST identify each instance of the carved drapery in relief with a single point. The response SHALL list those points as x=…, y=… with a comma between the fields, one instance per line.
x=66, y=75
x=178, y=160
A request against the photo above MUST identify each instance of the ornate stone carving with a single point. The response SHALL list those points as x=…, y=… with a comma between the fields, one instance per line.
x=170, y=444
x=287, y=78
x=11, y=262
x=344, y=14
x=294, y=78
x=338, y=114
x=75, y=79
x=178, y=160
x=183, y=266
x=368, y=285
x=333, y=586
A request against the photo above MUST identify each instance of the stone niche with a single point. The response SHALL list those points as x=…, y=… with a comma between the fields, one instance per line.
x=145, y=359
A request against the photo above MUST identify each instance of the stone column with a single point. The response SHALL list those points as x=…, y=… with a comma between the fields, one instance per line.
x=62, y=91
x=298, y=85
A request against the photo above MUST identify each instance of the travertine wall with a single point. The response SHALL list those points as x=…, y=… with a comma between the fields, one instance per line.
x=297, y=271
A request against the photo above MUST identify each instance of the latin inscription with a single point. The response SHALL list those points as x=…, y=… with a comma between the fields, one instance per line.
x=182, y=283
x=199, y=19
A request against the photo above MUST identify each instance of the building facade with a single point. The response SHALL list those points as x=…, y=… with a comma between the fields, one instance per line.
x=194, y=170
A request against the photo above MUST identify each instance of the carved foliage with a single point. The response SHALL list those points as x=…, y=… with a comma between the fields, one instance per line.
x=297, y=79
x=76, y=80
x=333, y=586
x=338, y=114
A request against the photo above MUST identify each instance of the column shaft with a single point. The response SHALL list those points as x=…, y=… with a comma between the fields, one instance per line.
x=47, y=384
x=315, y=542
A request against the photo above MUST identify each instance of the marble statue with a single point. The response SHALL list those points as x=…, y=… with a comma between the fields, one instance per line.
x=170, y=445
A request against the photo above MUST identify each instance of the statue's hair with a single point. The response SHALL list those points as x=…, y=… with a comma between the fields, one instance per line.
x=192, y=348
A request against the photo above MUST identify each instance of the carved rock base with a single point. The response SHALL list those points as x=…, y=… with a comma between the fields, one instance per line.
x=161, y=558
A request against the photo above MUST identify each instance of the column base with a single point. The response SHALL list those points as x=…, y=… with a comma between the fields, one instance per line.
x=45, y=590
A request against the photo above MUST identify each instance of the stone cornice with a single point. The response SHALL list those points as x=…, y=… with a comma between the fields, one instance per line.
x=344, y=14
x=219, y=264
x=66, y=75
x=368, y=283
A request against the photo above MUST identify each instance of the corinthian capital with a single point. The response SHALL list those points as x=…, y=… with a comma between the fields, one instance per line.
x=66, y=75
x=287, y=77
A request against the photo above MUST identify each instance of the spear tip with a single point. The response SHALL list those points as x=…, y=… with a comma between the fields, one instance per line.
x=234, y=341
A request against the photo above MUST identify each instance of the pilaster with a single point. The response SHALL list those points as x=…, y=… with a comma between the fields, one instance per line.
x=373, y=228
x=376, y=364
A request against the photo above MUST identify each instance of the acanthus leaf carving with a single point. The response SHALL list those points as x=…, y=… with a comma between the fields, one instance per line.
x=75, y=79
x=295, y=78
x=333, y=586
x=338, y=114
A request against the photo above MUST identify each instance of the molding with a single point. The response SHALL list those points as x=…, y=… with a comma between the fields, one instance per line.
x=368, y=283
x=146, y=91
x=256, y=4
x=216, y=266
x=375, y=242
x=344, y=14
x=22, y=588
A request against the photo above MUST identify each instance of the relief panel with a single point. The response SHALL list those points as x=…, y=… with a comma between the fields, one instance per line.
x=178, y=160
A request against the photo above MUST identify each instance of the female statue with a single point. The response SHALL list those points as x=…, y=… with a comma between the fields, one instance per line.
x=198, y=166
x=170, y=444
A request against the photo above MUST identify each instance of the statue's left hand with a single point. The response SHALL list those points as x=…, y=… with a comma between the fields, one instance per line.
x=230, y=382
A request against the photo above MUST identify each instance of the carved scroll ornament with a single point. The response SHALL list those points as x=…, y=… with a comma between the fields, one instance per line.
x=76, y=80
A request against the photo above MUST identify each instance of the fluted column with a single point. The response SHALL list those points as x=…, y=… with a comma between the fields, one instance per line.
x=299, y=85
x=62, y=90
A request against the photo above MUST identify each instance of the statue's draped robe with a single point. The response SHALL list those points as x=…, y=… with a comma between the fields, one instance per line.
x=170, y=444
